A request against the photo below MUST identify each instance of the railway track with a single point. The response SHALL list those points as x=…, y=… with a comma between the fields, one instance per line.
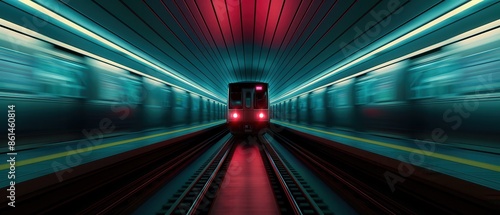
x=120, y=185
x=361, y=183
x=298, y=196
x=147, y=184
x=201, y=191
x=361, y=195
x=125, y=185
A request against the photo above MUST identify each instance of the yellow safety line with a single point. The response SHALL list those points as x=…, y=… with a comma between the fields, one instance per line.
x=91, y=148
x=483, y=165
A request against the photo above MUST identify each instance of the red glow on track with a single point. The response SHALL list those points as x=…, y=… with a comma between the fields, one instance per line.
x=246, y=188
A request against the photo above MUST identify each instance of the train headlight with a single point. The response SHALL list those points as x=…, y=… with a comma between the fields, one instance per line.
x=261, y=115
x=235, y=115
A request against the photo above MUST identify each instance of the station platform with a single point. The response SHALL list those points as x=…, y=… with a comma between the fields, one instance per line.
x=48, y=159
x=481, y=167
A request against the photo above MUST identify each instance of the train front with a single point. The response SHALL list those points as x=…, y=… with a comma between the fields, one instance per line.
x=248, y=107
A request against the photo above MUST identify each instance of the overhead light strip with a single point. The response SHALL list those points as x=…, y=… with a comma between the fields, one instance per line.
x=388, y=45
x=484, y=28
x=37, y=35
x=106, y=42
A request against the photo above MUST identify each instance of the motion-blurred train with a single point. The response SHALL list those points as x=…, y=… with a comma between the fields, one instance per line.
x=247, y=107
x=448, y=94
x=57, y=93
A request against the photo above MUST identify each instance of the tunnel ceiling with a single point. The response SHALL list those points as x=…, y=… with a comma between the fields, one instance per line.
x=283, y=42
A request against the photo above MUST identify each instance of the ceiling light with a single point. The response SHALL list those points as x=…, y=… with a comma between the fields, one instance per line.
x=487, y=27
x=107, y=42
x=388, y=45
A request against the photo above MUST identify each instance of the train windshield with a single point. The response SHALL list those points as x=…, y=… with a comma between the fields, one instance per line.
x=248, y=100
x=235, y=101
x=261, y=99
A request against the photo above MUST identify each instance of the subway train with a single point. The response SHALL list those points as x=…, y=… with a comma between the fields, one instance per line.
x=450, y=94
x=248, y=105
x=60, y=94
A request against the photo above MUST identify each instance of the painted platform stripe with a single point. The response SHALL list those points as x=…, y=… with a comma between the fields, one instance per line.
x=473, y=163
x=107, y=145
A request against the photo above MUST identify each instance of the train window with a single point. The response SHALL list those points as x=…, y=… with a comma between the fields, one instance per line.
x=361, y=93
x=261, y=100
x=375, y=88
x=16, y=72
x=235, y=100
x=480, y=72
x=154, y=92
x=110, y=87
x=330, y=97
x=195, y=102
x=248, y=100
x=311, y=101
x=132, y=90
x=166, y=97
x=302, y=102
x=319, y=102
x=181, y=99
x=341, y=97
x=385, y=89
x=434, y=78
x=59, y=77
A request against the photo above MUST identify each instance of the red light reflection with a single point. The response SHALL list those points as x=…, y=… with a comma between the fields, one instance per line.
x=234, y=22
